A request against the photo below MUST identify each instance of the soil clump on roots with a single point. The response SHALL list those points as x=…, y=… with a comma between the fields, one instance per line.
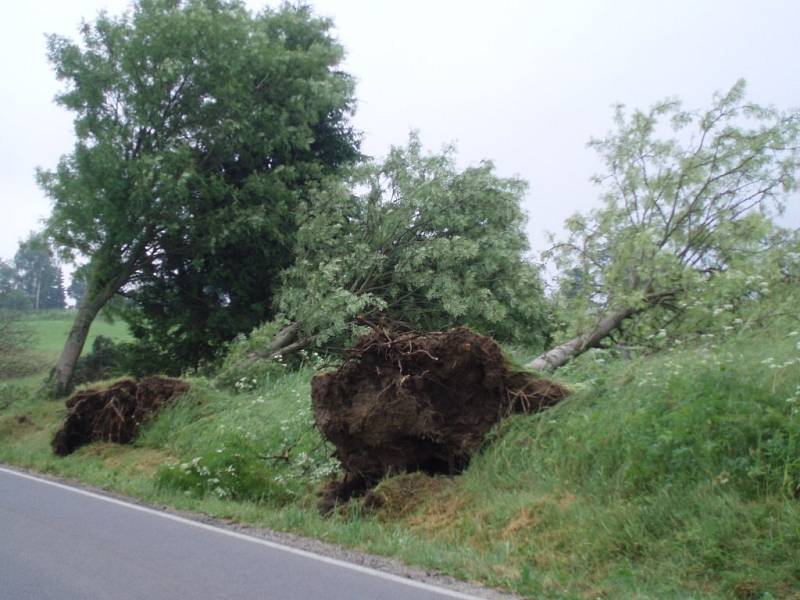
x=114, y=413
x=410, y=401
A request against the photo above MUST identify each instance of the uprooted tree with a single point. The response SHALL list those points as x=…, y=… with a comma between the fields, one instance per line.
x=677, y=211
x=410, y=401
x=114, y=413
x=198, y=127
x=413, y=240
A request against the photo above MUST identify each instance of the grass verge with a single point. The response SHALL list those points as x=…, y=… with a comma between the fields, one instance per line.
x=674, y=476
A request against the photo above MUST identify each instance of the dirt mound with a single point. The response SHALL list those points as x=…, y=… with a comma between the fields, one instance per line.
x=409, y=401
x=115, y=413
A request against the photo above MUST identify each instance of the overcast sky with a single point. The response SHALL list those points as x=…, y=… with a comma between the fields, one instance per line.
x=523, y=83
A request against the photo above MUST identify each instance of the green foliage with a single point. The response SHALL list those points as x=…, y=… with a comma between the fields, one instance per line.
x=15, y=300
x=241, y=369
x=198, y=125
x=244, y=367
x=755, y=289
x=8, y=277
x=418, y=241
x=33, y=280
x=721, y=415
x=11, y=394
x=259, y=445
x=107, y=359
x=77, y=287
x=685, y=215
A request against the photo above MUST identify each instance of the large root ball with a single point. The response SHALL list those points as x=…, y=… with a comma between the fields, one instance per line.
x=418, y=402
x=114, y=413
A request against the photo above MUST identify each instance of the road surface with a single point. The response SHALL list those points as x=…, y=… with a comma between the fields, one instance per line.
x=60, y=542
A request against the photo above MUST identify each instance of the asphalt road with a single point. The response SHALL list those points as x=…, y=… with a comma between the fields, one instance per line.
x=59, y=542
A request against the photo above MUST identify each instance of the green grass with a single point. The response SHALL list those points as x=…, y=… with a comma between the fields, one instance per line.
x=673, y=476
x=49, y=329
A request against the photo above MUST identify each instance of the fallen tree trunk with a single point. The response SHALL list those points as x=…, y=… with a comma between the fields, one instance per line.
x=284, y=342
x=286, y=337
x=561, y=354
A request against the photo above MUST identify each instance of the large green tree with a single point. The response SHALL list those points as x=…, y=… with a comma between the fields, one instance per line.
x=417, y=240
x=198, y=127
x=686, y=199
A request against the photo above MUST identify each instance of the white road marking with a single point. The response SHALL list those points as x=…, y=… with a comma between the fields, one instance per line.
x=255, y=540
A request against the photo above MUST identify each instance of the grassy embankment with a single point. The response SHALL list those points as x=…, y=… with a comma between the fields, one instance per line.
x=673, y=476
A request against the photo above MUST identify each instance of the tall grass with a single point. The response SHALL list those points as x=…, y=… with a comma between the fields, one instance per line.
x=260, y=445
x=672, y=476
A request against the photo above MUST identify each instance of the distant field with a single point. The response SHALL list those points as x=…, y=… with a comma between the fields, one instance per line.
x=50, y=329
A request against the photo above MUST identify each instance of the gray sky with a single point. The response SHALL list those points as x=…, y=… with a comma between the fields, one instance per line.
x=524, y=83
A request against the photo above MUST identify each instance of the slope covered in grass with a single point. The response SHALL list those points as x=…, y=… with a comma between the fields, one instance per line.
x=676, y=475
x=672, y=476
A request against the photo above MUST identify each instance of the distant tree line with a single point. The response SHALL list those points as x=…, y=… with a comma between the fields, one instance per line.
x=32, y=279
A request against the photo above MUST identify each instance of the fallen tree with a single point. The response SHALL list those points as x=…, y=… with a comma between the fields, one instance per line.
x=677, y=212
x=416, y=240
x=408, y=401
x=561, y=354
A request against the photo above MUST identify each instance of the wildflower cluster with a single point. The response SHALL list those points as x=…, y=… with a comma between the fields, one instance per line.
x=266, y=449
x=245, y=384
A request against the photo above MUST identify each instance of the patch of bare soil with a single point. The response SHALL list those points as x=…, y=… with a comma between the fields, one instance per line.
x=114, y=413
x=409, y=401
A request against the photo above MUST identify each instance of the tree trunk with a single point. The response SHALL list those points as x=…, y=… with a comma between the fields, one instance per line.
x=95, y=298
x=38, y=292
x=558, y=356
x=65, y=368
x=284, y=338
x=284, y=342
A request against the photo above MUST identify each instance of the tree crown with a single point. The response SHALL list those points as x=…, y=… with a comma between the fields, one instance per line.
x=684, y=195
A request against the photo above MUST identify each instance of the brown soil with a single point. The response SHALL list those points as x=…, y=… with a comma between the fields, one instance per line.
x=115, y=413
x=412, y=401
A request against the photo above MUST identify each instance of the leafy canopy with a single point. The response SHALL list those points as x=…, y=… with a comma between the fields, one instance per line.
x=33, y=279
x=419, y=241
x=199, y=125
x=687, y=196
x=38, y=275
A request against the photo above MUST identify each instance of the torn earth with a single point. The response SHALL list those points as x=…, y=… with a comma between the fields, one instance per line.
x=406, y=401
x=114, y=413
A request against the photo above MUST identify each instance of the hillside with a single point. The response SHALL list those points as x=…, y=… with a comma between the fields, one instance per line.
x=674, y=475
